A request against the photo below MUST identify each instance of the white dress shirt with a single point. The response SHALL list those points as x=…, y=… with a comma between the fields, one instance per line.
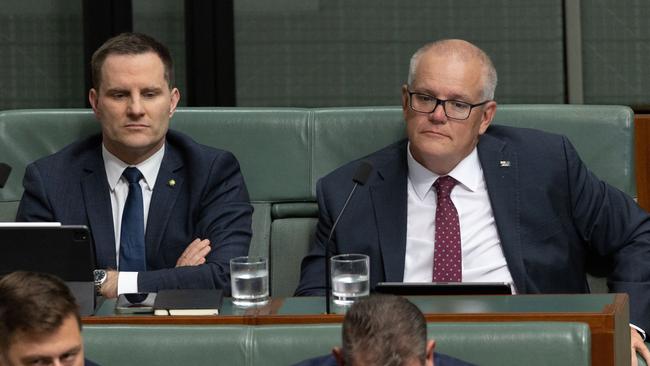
x=482, y=254
x=119, y=189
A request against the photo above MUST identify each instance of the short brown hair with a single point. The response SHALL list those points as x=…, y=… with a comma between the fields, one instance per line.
x=130, y=44
x=33, y=303
x=384, y=330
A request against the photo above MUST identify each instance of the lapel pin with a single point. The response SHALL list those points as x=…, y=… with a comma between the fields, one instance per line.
x=504, y=163
x=171, y=183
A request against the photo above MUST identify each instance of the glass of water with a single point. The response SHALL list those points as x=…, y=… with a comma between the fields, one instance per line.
x=249, y=279
x=349, y=278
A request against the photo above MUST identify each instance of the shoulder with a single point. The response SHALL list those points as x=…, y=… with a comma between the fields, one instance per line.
x=193, y=152
x=521, y=135
x=327, y=360
x=444, y=360
x=379, y=159
x=72, y=156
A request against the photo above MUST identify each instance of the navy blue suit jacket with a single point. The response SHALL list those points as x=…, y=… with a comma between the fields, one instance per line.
x=208, y=201
x=556, y=220
x=329, y=360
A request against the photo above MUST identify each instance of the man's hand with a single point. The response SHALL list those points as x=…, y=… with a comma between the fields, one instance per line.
x=195, y=253
x=109, y=287
x=639, y=346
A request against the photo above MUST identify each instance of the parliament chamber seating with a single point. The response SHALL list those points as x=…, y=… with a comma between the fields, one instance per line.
x=283, y=152
x=486, y=344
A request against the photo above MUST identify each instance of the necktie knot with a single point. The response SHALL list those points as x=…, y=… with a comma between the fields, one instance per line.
x=444, y=185
x=132, y=175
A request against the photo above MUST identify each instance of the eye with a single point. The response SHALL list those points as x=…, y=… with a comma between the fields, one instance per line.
x=424, y=98
x=458, y=105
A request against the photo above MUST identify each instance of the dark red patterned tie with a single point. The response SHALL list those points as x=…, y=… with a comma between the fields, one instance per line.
x=447, y=258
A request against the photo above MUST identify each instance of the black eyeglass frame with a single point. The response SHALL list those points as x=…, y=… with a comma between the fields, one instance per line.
x=443, y=103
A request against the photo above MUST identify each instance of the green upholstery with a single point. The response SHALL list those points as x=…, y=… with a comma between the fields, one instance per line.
x=283, y=152
x=502, y=344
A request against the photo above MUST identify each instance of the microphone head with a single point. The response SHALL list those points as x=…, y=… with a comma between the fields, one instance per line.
x=362, y=173
x=4, y=174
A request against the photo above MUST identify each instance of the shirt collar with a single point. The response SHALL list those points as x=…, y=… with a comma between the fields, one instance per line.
x=149, y=168
x=468, y=173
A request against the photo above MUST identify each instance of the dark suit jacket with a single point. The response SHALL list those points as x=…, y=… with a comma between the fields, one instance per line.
x=209, y=200
x=555, y=219
x=329, y=360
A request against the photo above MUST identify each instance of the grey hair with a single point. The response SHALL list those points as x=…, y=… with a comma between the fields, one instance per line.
x=465, y=51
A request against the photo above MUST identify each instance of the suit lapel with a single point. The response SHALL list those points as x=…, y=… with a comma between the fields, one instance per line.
x=94, y=186
x=389, y=202
x=501, y=172
x=168, y=186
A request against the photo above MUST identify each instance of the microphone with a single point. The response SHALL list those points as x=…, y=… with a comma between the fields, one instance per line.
x=5, y=169
x=360, y=178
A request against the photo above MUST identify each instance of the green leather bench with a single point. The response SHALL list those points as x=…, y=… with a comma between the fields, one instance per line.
x=283, y=152
x=498, y=344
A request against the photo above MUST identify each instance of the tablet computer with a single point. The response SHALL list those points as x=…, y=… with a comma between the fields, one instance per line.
x=443, y=288
x=64, y=251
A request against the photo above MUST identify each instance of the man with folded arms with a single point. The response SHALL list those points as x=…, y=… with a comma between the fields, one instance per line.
x=164, y=211
x=461, y=200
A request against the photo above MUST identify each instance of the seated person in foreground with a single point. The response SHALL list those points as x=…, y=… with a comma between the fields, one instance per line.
x=384, y=330
x=39, y=322
x=164, y=211
x=463, y=200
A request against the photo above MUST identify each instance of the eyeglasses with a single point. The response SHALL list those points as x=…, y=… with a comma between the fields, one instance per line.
x=454, y=109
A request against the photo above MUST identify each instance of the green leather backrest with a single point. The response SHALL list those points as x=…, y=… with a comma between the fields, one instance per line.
x=502, y=344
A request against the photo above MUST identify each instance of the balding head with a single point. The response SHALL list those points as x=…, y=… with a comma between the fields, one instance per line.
x=462, y=51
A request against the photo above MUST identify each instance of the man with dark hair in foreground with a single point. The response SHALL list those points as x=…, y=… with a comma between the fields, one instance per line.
x=384, y=330
x=39, y=322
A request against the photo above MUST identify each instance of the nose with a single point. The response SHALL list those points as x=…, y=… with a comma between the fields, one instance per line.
x=438, y=113
x=135, y=108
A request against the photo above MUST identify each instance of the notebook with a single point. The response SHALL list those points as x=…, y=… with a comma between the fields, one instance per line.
x=188, y=302
x=64, y=251
x=443, y=288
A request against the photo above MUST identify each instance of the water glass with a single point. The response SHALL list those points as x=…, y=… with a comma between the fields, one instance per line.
x=249, y=279
x=349, y=278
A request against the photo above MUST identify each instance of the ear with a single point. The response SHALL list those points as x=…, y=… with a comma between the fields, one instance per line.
x=93, y=98
x=338, y=356
x=430, y=347
x=405, y=100
x=489, y=111
x=175, y=97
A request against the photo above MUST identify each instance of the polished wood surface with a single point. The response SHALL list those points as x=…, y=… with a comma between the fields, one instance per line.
x=606, y=314
x=642, y=158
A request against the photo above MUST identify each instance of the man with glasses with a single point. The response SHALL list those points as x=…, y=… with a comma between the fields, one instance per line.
x=463, y=201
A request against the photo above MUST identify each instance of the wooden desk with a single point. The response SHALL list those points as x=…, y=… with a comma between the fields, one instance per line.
x=606, y=314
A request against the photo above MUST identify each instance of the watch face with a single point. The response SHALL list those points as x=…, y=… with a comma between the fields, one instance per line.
x=100, y=275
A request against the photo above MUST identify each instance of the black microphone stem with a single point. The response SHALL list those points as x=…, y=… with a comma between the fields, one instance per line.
x=328, y=252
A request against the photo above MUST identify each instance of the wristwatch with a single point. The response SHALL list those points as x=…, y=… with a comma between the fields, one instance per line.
x=100, y=278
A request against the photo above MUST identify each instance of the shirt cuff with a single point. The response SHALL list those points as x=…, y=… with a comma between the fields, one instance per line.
x=127, y=283
x=641, y=331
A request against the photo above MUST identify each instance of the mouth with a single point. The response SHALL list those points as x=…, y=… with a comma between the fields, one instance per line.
x=135, y=126
x=435, y=134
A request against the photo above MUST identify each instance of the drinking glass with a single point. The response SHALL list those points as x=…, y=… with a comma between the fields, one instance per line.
x=349, y=278
x=249, y=279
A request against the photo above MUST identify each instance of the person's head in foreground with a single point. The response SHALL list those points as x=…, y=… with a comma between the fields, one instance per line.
x=39, y=321
x=384, y=330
